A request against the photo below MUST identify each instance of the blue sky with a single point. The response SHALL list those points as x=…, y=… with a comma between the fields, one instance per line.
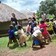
x=22, y=5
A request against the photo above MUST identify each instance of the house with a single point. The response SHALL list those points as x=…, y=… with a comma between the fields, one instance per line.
x=5, y=17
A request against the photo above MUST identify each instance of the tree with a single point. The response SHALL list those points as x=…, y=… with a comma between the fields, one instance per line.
x=48, y=6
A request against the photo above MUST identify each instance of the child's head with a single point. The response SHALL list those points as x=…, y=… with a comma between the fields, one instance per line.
x=30, y=18
x=51, y=20
x=29, y=23
x=19, y=27
x=13, y=15
x=42, y=21
x=11, y=27
x=42, y=30
x=35, y=24
x=47, y=20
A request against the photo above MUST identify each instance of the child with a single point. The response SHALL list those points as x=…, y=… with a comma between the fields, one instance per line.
x=50, y=26
x=15, y=27
x=11, y=35
x=37, y=36
x=28, y=29
x=36, y=27
x=45, y=32
x=22, y=36
x=13, y=19
x=32, y=26
x=55, y=26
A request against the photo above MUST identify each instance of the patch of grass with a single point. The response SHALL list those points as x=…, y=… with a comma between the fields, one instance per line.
x=14, y=47
x=54, y=39
x=3, y=42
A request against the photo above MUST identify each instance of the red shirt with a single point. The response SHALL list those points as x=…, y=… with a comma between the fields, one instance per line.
x=44, y=27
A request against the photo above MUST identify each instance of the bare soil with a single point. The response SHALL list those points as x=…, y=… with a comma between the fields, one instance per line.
x=49, y=50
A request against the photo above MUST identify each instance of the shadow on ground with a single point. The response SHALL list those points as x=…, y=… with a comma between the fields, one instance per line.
x=14, y=46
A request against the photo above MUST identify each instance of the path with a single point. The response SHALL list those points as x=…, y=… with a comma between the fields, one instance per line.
x=49, y=50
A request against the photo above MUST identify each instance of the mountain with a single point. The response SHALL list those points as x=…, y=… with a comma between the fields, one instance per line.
x=6, y=11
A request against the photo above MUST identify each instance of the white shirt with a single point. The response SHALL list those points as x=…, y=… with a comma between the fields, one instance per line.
x=55, y=21
x=36, y=33
x=36, y=28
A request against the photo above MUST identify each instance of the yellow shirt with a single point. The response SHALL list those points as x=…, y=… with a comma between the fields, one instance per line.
x=50, y=26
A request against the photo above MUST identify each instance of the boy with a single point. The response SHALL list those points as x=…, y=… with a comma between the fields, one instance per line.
x=11, y=35
x=37, y=36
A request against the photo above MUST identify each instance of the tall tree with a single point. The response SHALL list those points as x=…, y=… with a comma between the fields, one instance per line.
x=48, y=6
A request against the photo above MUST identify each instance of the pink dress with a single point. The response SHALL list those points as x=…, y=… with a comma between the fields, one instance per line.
x=28, y=28
x=45, y=33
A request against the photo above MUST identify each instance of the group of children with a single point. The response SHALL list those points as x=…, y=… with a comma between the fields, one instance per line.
x=16, y=34
x=39, y=31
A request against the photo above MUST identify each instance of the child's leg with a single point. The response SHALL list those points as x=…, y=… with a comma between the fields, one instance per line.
x=25, y=43
x=41, y=43
x=33, y=41
x=21, y=44
x=49, y=38
x=10, y=41
x=14, y=40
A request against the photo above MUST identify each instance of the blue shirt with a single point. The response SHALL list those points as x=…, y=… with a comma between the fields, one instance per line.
x=11, y=33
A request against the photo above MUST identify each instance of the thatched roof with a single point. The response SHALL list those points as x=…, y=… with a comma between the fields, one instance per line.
x=6, y=11
x=28, y=13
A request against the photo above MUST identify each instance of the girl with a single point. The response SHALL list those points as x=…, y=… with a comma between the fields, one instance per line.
x=50, y=26
x=28, y=29
x=22, y=36
x=45, y=32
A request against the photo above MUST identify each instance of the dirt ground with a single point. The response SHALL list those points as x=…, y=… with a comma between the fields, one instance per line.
x=49, y=50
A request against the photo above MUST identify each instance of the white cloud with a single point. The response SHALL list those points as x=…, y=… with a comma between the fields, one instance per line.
x=20, y=5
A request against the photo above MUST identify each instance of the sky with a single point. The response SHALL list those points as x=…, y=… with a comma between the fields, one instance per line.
x=22, y=5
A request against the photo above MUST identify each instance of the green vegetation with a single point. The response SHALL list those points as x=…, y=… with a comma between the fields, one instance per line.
x=48, y=7
x=4, y=41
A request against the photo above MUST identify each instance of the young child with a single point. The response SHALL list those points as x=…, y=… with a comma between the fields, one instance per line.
x=50, y=26
x=28, y=29
x=22, y=36
x=37, y=36
x=11, y=35
x=54, y=25
x=15, y=27
x=32, y=26
x=45, y=32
